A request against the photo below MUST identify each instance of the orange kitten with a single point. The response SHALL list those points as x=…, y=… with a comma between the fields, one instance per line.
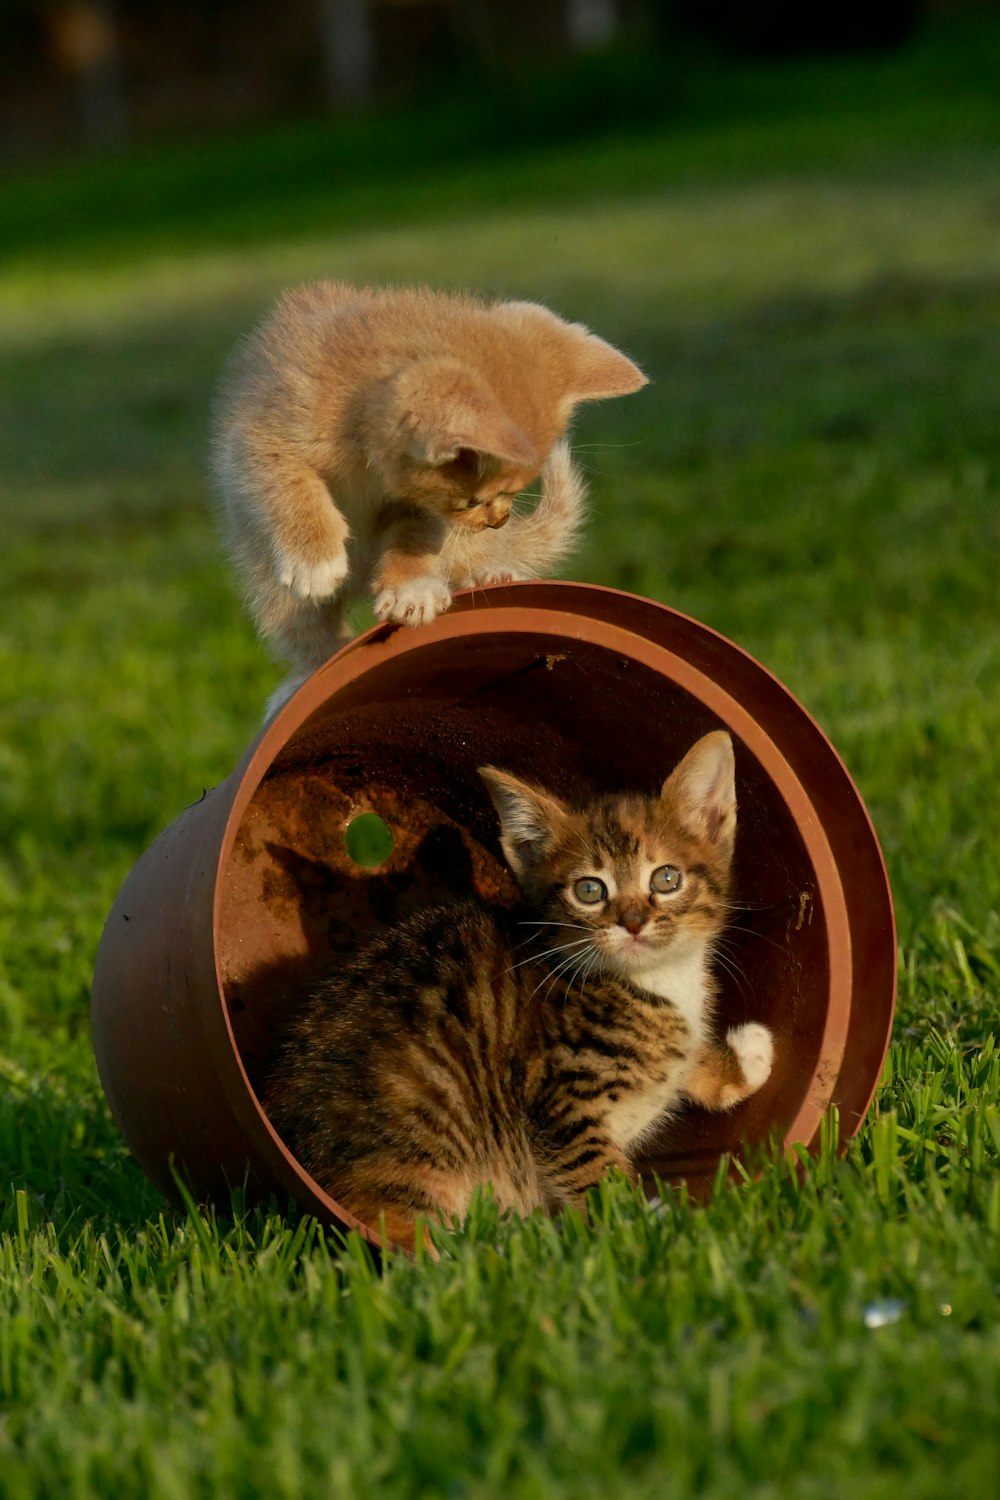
x=372, y=439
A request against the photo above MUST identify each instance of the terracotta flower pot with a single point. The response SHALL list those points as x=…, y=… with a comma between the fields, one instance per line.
x=252, y=891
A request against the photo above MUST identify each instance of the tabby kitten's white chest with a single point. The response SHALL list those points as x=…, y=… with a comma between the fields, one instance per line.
x=683, y=987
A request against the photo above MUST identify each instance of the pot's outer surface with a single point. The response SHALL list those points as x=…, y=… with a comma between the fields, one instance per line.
x=251, y=893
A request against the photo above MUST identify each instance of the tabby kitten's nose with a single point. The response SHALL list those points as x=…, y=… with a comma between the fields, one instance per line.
x=496, y=519
x=633, y=920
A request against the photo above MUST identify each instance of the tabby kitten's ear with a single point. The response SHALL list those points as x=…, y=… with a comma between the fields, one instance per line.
x=529, y=819
x=446, y=410
x=702, y=790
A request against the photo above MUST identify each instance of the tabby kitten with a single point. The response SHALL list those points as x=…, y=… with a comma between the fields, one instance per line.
x=530, y=1050
x=372, y=438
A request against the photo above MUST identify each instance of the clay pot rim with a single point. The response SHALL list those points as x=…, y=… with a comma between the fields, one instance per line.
x=499, y=610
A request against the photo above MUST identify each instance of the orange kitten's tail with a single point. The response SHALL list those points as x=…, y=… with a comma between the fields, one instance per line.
x=542, y=539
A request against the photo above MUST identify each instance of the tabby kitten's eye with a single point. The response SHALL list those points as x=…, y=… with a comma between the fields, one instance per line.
x=666, y=879
x=590, y=891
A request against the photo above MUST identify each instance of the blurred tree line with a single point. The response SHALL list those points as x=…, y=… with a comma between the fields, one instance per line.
x=94, y=74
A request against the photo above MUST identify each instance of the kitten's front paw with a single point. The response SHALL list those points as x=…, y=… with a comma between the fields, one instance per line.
x=498, y=574
x=312, y=580
x=754, y=1046
x=413, y=603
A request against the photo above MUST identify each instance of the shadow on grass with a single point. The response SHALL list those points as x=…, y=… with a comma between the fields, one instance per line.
x=59, y=1145
x=64, y=1165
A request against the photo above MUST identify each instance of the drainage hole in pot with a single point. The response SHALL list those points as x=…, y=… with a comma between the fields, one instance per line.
x=369, y=840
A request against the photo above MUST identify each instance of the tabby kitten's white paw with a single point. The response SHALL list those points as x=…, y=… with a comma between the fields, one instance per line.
x=414, y=603
x=754, y=1046
x=312, y=580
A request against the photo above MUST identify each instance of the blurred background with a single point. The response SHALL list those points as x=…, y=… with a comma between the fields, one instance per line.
x=80, y=75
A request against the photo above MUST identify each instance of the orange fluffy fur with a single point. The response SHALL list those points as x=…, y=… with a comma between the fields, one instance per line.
x=374, y=439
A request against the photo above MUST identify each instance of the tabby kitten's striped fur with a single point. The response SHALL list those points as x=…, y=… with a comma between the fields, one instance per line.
x=534, y=1049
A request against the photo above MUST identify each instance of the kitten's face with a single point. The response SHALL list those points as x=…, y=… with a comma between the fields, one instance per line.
x=470, y=490
x=628, y=880
x=465, y=429
x=628, y=884
x=465, y=399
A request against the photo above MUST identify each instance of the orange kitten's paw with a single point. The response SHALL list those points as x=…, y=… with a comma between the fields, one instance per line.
x=415, y=602
x=754, y=1046
x=498, y=575
x=312, y=580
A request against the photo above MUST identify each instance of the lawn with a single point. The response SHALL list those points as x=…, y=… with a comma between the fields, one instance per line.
x=810, y=272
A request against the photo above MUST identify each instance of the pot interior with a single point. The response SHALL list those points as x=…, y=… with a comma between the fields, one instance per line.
x=403, y=740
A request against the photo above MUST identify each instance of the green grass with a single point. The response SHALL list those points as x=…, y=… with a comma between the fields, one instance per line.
x=812, y=278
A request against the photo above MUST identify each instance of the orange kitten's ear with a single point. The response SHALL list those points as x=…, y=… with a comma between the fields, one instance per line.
x=592, y=368
x=702, y=789
x=445, y=407
x=529, y=818
x=602, y=370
